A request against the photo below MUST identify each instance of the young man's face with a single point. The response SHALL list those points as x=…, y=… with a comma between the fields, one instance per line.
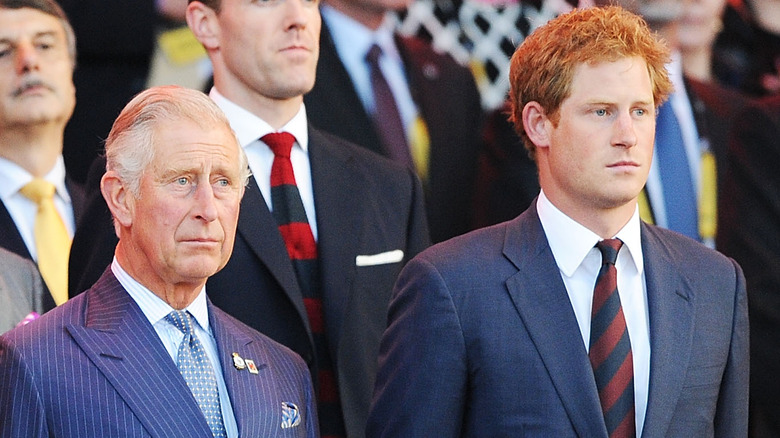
x=270, y=48
x=598, y=155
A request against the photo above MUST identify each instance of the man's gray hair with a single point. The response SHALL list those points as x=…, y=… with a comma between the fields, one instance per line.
x=130, y=144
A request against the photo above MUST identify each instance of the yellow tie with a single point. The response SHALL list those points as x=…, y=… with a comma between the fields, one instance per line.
x=51, y=239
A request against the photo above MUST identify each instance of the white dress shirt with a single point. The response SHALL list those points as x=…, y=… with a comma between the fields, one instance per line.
x=579, y=261
x=249, y=129
x=155, y=310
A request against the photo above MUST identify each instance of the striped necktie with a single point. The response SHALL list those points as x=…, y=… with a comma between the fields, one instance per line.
x=294, y=226
x=197, y=371
x=610, y=347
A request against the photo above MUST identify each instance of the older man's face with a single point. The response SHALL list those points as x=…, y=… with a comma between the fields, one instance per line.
x=184, y=219
x=36, y=70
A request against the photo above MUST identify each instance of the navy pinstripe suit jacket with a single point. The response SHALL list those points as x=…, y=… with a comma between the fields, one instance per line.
x=95, y=367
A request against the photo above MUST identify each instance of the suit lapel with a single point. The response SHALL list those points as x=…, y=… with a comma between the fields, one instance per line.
x=541, y=300
x=240, y=383
x=331, y=70
x=338, y=197
x=257, y=226
x=670, y=307
x=124, y=347
x=9, y=234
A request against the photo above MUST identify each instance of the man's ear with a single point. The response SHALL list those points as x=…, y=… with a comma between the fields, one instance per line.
x=202, y=21
x=119, y=200
x=536, y=124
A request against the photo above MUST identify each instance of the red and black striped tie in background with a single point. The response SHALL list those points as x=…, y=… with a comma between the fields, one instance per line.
x=294, y=226
x=610, y=347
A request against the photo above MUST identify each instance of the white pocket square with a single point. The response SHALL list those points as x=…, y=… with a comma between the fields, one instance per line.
x=382, y=258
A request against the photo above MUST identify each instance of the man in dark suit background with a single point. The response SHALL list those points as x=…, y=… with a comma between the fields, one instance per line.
x=38, y=96
x=365, y=212
x=436, y=98
x=501, y=332
x=749, y=214
x=107, y=363
x=705, y=112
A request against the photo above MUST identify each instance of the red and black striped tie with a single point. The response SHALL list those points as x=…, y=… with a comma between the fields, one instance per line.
x=301, y=247
x=610, y=347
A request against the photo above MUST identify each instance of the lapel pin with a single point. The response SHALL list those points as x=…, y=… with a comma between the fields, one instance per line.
x=250, y=364
x=238, y=362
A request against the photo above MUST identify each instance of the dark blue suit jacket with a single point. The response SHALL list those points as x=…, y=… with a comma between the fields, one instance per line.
x=96, y=367
x=483, y=342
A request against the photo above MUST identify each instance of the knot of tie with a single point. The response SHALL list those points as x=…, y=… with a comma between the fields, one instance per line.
x=281, y=143
x=182, y=320
x=373, y=54
x=38, y=190
x=609, y=250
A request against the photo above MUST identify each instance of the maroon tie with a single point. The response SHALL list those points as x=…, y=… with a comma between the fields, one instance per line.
x=387, y=119
x=295, y=229
x=610, y=348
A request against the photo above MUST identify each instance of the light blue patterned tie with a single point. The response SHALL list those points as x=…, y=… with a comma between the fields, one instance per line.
x=196, y=368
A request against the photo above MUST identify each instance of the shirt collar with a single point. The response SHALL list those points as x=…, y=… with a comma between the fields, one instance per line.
x=249, y=128
x=13, y=177
x=571, y=242
x=349, y=33
x=152, y=306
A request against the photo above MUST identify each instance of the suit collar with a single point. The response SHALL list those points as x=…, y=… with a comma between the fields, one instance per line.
x=124, y=347
x=257, y=226
x=540, y=298
x=233, y=340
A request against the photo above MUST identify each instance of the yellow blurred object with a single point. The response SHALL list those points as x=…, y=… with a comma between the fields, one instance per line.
x=708, y=198
x=420, y=143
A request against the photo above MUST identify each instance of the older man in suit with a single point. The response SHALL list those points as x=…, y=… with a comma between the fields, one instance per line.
x=324, y=231
x=501, y=332
x=21, y=291
x=144, y=352
x=39, y=205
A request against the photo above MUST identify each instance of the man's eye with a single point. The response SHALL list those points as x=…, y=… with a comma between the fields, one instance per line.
x=182, y=181
x=601, y=112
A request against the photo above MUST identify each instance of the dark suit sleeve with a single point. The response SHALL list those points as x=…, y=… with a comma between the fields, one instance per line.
x=21, y=411
x=732, y=412
x=421, y=384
